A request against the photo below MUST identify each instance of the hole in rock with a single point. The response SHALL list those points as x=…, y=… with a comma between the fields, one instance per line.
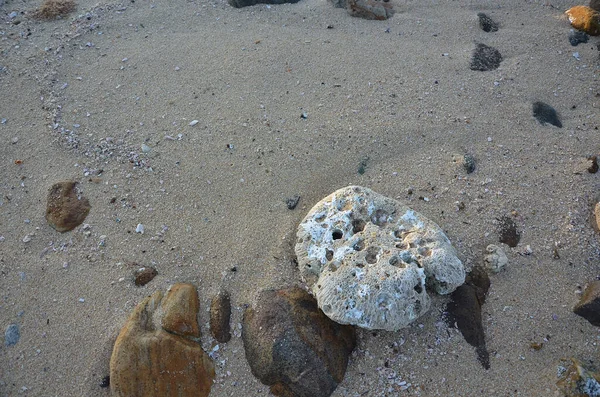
x=402, y=246
x=424, y=251
x=417, y=306
x=332, y=267
x=372, y=255
x=359, y=246
x=379, y=217
x=418, y=288
x=320, y=218
x=358, y=225
x=328, y=255
x=412, y=245
x=327, y=309
x=395, y=261
x=360, y=265
x=337, y=234
x=398, y=234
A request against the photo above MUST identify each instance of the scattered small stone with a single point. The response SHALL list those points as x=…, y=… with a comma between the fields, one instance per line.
x=546, y=114
x=469, y=163
x=464, y=312
x=105, y=382
x=304, y=115
x=193, y=122
x=146, y=148
x=292, y=202
x=12, y=334
x=293, y=347
x=139, y=228
x=588, y=306
x=486, y=23
x=585, y=19
x=14, y=140
x=66, y=207
x=507, y=231
x=144, y=275
x=370, y=9
x=362, y=166
x=577, y=37
x=485, y=58
x=220, y=314
x=27, y=238
x=495, y=259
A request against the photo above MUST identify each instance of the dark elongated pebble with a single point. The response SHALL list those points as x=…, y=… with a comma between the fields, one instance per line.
x=546, y=114
x=576, y=37
x=485, y=58
x=589, y=304
x=507, y=231
x=486, y=23
x=144, y=275
x=220, y=313
x=246, y=3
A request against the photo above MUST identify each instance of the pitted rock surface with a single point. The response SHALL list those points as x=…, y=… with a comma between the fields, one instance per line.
x=369, y=260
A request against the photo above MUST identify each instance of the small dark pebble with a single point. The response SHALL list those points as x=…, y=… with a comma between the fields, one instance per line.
x=12, y=335
x=485, y=58
x=469, y=163
x=144, y=275
x=362, y=166
x=546, y=114
x=220, y=313
x=234, y=269
x=577, y=37
x=329, y=26
x=105, y=382
x=507, y=230
x=593, y=168
x=292, y=202
x=486, y=23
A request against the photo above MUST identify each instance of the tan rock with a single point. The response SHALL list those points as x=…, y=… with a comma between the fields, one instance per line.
x=66, y=208
x=148, y=361
x=585, y=19
x=596, y=217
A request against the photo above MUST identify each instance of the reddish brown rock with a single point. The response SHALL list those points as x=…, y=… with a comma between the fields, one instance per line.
x=144, y=275
x=293, y=347
x=589, y=304
x=148, y=361
x=220, y=313
x=370, y=9
x=66, y=208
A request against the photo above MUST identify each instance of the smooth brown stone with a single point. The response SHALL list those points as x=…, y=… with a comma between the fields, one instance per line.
x=144, y=275
x=589, y=304
x=65, y=210
x=180, y=307
x=148, y=361
x=220, y=314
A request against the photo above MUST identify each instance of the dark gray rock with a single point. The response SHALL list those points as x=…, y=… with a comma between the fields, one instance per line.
x=246, y=3
x=292, y=202
x=469, y=163
x=485, y=58
x=293, y=347
x=507, y=231
x=576, y=37
x=12, y=335
x=546, y=114
x=486, y=23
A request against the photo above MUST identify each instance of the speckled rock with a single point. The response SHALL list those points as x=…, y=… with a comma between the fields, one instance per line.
x=293, y=347
x=66, y=208
x=585, y=19
x=157, y=353
x=220, y=314
x=369, y=260
x=495, y=259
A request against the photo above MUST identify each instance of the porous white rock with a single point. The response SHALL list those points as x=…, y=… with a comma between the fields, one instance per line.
x=369, y=260
x=495, y=259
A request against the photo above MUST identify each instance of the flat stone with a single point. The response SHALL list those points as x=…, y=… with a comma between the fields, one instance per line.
x=464, y=312
x=220, y=314
x=12, y=334
x=293, y=347
x=485, y=58
x=370, y=9
x=588, y=306
x=149, y=360
x=66, y=208
x=369, y=260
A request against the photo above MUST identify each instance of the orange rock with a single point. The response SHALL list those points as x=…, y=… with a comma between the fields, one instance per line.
x=585, y=19
x=180, y=308
x=148, y=361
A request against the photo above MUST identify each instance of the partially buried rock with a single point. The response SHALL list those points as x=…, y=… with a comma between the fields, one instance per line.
x=369, y=260
x=292, y=202
x=293, y=347
x=66, y=208
x=370, y=9
x=157, y=353
x=246, y=3
x=507, y=231
x=464, y=312
x=578, y=380
x=486, y=23
x=144, y=275
x=220, y=314
x=546, y=114
x=589, y=304
x=485, y=58
x=495, y=259
x=12, y=335
x=585, y=19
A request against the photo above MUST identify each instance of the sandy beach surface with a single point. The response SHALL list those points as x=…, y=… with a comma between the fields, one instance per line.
x=291, y=100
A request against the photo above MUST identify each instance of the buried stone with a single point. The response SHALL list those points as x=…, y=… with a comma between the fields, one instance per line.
x=485, y=58
x=546, y=114
x=369, y=260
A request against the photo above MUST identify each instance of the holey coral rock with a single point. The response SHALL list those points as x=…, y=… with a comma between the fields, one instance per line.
x=369, y=260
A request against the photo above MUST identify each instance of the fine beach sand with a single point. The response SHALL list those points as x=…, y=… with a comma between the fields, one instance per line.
x=83, y=93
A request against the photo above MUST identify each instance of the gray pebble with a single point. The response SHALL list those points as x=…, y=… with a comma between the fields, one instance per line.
x=12, y=335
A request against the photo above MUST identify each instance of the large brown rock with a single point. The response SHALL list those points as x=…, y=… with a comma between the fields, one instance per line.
x=66, y=208
x=151, y=358
x=293, y=347
x=589, y=304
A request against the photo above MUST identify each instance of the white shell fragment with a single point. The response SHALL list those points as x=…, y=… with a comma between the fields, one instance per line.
x=369, y=260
